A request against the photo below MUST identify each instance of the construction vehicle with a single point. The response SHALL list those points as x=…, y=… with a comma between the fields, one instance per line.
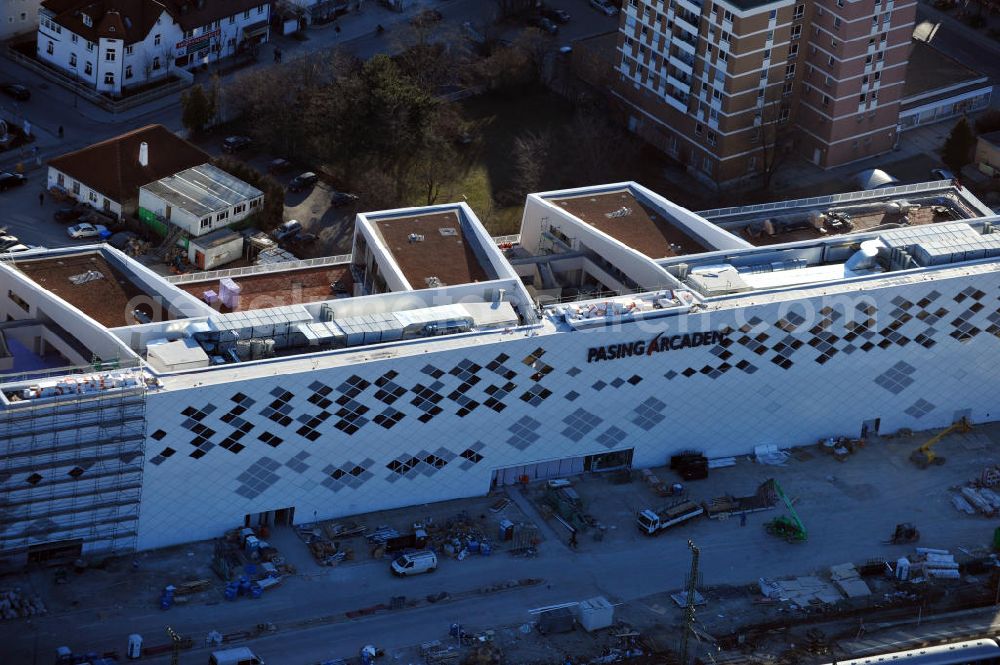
x=651, y=522
x=788, y=526
x=904, y=533
x=924, y=456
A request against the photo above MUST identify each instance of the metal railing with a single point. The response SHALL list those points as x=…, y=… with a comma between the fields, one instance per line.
x=512, y=239
x=212, y=275
x=830, y=200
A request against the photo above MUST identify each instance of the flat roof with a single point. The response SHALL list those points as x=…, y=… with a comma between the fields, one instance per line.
x=280, y=287
x=631, y=222
x=106, y=299
x=202, y=190
x=929, y=69
x=433, y=245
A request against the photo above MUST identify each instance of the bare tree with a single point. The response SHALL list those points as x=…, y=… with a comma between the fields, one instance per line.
x=530, y=156
x=773, y=136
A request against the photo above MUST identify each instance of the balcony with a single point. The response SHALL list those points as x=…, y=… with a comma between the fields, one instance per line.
x=677, y=101
x=683, y=84
x=682, y=65
x=685, y=43
x=688, y=5
x=688, y=24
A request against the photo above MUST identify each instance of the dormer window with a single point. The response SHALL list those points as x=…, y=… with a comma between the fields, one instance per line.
x=86, y=20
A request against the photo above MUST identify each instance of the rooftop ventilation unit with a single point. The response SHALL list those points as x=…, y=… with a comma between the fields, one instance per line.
x=624, y=211
x=448, y=232
x=433, y=282
x=415, y=237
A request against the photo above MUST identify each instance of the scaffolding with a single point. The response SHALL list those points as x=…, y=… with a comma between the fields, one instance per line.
x=71, y=468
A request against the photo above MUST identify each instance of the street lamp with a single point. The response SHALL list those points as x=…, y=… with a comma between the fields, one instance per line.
x=75, y=76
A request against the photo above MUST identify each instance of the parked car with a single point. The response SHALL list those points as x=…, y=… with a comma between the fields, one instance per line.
x=414, y=563
x=604, y=7
x=279, y=165
x=426, y=18
x=547, y=25
x=8, y=241
x=86, y=230
x=13, y=249
x=287, y=230
x=557, y=15
x=17, y=91
x=942, y=174
x=236, y=143
x=338, y=199
x=69, y=213
x=303, y=181
x=9, y=180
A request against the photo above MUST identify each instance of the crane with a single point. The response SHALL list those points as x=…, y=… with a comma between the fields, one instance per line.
x=689, y=609
x=924, y=456
x=789, y=526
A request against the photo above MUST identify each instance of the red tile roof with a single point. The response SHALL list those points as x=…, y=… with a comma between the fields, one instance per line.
x=112, y=168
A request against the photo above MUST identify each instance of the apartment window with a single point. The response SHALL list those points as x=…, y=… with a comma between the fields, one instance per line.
x=787, y=88
x=880, y=55
x=110, y=55
x=836, y=23
x=826, y=100
x=128, y=71
x=207, y=222
x=878, y=75
x=774, y=14
x=885, y=35
x=92, y=196
x=76, y=187
x=706, y=164
x=861, y=99
x=260, y=9
x=188, y=34
x=255, y=203
x=87, y=20
x=221, y=216
x=232, y=19
x=723, y=56
x=819, y=11
x=840, y=3
x=698, y=129
x=246, y=14
x=72, y=59
x=215, y=25
x=109, y=78
x=129, y=50
x=829, y=61
x=800, y=11
x=767, y=54
x=763, y=76
x=875, y=20
x=783, y=114
x=790, y=70
x=74, y=39
x=156, y=40
x=88, y=68
x=796, y=31
x=50, y=49
x=829, y=80
x=868, y=59
x=712, y=140
x=717, y=94
x=90, y=46
x=156, y=63
x=728, y=15
x=793, y=51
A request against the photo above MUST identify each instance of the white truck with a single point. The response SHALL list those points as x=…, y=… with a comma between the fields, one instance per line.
x=235, y=656
x=651, y=522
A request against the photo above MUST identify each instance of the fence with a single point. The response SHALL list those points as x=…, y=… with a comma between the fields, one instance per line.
x=213, y=275
x=184, y=79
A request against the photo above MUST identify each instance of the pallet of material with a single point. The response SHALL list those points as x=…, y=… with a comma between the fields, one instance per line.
x=726, y=506
x=196, y=586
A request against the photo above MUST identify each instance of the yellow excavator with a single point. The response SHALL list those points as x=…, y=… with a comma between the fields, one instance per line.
x=924, y=456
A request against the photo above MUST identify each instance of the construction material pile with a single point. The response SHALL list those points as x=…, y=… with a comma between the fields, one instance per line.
x=976, y=500
x=324, y=540
x=929, y=563
x=15, y=604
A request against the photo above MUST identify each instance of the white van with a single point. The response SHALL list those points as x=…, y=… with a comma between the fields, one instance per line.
x=236, y=656
x=415, y=563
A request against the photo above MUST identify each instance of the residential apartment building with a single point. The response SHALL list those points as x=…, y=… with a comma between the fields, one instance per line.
x=729, y=86
x=111, y=45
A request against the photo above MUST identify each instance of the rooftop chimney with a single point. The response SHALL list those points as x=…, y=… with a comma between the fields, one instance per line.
x=143, y=154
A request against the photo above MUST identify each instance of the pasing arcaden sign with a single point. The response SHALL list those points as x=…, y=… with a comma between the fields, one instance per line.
x=658, y=344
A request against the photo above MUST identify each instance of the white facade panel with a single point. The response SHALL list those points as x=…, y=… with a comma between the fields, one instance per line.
x=319, y=441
